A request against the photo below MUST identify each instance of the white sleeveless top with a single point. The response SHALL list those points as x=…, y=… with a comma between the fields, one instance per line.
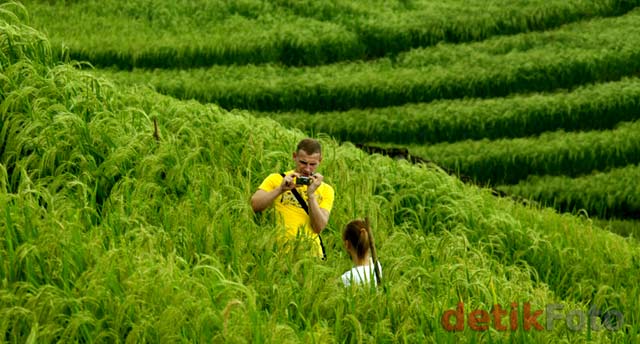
x=361, y=274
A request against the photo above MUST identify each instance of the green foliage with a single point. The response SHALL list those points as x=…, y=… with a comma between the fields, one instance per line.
x=108, y=234
x=611, y=194
x=568, y=57
x=590, y=107
x=507, y=161
x=627, y=228
x=19, y=42
x=191, y=33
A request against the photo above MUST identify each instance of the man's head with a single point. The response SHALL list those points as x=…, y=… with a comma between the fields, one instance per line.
x=307, y=156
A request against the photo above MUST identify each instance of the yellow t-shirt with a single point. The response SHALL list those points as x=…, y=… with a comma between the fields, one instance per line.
x=290, y=213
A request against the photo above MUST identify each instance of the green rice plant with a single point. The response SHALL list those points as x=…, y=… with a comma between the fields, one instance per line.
x=590, y=107
x=425, y=23
x=532, y=62
x=626, y=228
x=136, y=271
x=18, y=41
x=173, y=253
x=133, y=264
x=522, y=240
x=507, y=161
x=603, y=195
x=14, y=13
x=170, y=34
x=60, y=147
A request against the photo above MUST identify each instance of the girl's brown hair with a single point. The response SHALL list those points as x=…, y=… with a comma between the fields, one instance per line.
x=356, y=233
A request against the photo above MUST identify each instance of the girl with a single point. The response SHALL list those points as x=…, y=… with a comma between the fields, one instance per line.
x=356, y=242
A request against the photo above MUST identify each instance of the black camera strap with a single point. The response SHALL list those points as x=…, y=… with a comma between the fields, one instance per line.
x=305, y=206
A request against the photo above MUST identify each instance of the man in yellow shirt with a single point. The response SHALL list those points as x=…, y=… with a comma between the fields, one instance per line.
x=307, y=213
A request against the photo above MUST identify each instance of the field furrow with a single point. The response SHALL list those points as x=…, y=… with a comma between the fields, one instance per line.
x=615, y=193
x=125, y=213
x=184, y=34
x=507, y=161
x=568, y=57
x=591, y=107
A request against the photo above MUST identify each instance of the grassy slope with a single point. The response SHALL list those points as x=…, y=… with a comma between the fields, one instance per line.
x=596, y=106
x=166, y=34
x=612, y=194
x=507, y=161
x=108, y=235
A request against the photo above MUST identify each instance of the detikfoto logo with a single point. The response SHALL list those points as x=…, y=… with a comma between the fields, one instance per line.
x=503, y=319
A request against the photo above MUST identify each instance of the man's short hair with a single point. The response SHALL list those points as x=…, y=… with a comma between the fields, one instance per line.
x=309, y=146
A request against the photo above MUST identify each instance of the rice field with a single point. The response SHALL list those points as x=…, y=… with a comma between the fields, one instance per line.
x=111, y=231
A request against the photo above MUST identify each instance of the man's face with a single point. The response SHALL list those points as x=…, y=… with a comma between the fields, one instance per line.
x=306, y=164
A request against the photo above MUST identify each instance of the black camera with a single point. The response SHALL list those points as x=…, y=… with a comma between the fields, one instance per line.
x=302, y=180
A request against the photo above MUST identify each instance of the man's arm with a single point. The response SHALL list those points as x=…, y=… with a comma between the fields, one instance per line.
x=319, y=217
x=262, y=199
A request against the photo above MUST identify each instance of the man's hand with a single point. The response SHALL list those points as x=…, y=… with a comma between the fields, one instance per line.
x=287, y=182
x=319, y=217
x=317, y=179
x=261, y=199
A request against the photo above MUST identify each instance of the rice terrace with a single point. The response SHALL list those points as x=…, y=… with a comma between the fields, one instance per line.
x=133, y=134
